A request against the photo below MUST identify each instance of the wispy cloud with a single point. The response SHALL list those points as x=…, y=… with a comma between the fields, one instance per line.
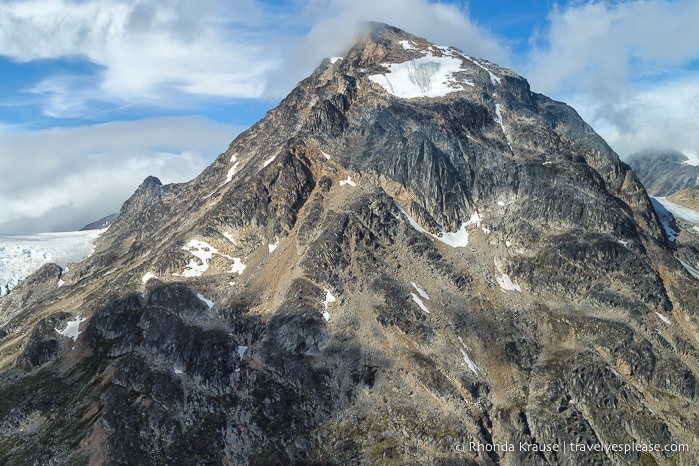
x=623, y=65
x=146, y=49
x=87, y=172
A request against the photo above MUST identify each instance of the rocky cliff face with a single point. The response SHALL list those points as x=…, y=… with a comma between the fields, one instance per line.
x=411, y=253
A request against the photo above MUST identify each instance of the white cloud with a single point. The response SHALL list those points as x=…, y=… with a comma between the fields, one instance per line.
x=88, y=172
x=658, y=116
x=623, y=66
x=147, y=49
x=600, y=45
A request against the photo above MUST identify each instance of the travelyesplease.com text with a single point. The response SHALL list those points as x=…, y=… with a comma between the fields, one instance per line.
x=624, y=448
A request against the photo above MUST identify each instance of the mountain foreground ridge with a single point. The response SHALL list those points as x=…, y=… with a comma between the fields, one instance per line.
x=412, y=254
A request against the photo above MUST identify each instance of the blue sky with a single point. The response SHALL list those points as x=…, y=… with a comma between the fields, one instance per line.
x=95, y=95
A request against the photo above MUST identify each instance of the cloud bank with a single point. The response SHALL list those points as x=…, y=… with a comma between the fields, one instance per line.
x=62, y=179
x=626, y=67
x=148, y=50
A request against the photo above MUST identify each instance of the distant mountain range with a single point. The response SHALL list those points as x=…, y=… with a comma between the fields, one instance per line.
x=664, y=172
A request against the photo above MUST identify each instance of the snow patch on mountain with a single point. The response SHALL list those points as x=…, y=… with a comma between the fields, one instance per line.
x=20, y=256
x=427, y=76
x=72, y=330
x=498, y=116
x=204, y=252
x=456, y=239
x=692, y=158
x=692, y=271
x=469, y=362
x=329, y=298
x=232, y=170
x=507, y=284
x=229, y=237
x=407, y=45
x=238, y=266
x=206, y=301
x=493, y=79
x=419, y=302
x=348, y=181
x=420, y=291
x=269, y=160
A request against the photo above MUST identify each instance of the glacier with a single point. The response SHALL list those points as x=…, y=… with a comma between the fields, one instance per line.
x=22, y=255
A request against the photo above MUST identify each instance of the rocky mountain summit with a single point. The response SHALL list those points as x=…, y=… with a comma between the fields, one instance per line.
x=412, y=259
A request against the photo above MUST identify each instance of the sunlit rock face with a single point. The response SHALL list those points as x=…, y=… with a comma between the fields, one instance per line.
x=411, y=254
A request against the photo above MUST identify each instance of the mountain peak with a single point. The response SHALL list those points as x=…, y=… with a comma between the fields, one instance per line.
x=151, y=182
x=412, y=246
x=409, y=66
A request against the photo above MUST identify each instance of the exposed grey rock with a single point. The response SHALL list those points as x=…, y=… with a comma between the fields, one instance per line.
x=363, y=278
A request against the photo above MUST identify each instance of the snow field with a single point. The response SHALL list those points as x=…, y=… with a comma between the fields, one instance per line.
x=204, y=252
x=427, y=76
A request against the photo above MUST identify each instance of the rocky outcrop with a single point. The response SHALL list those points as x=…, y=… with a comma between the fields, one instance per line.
x=411, y=255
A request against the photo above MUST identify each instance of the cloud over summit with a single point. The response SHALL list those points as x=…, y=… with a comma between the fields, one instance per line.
x=630, y=67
